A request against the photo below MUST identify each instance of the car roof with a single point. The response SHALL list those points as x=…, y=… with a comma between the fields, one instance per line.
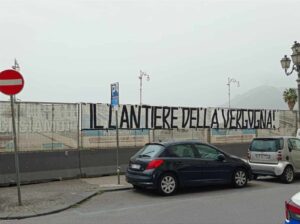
x=169, y=143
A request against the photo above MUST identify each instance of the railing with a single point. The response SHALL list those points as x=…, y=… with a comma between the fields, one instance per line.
x=57, y=126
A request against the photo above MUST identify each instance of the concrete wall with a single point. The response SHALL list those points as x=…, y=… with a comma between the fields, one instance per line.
x=39, y=166
x=54, y=165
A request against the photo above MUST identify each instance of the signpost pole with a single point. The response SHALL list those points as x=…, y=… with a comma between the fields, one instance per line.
x=117, y=135
x=11, y=83
x=16, y=149
x=115, y=104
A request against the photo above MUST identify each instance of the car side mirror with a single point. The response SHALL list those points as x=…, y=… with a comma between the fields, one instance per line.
x=221, y=157
x=290, y=148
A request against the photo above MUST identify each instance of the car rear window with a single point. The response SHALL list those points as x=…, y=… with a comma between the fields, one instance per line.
x=266, y=144
x=150, y=151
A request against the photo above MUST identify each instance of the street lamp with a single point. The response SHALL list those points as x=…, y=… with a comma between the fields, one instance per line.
x=142, y=74
x=231, y=80
x=16, y=66
x=285, y=64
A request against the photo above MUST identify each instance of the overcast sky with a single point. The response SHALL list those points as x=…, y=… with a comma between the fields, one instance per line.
x=72, y=50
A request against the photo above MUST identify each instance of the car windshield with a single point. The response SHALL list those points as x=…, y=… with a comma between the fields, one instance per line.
x=266, y=145
x=150, y=150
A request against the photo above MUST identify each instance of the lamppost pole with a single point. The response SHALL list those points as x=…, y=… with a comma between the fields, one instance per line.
x=231, y=80
x=142, y=74
x=285, y=64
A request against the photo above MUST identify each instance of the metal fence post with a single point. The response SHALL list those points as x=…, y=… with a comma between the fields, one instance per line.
x=149, y=135
x=135, y=136
x=79, y=140
x=297, y=122
x=208, y=133
x=52, y=126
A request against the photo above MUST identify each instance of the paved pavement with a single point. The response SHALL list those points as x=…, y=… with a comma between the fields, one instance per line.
x=52, y=197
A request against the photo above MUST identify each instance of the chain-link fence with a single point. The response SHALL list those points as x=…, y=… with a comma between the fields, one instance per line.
x=96, y=139
x=40, y=126
x=180, y=134
x=57, y=126
x=288, y=125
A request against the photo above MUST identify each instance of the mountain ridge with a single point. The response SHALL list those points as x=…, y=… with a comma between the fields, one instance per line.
x=261, y=97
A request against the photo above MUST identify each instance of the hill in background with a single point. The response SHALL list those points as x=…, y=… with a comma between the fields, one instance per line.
x=262, y=97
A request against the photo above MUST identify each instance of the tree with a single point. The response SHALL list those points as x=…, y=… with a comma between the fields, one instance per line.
x=290, y=97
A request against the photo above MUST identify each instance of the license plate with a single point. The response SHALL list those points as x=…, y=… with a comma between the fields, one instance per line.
x=135, y=166
x=262, y=156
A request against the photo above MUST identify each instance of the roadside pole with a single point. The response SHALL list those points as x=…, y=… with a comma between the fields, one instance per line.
x=114, y=90
x=117, y=135
x=79, y=135
x=16, y=149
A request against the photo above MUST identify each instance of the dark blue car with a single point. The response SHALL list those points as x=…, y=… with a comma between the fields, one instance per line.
x=170, y=165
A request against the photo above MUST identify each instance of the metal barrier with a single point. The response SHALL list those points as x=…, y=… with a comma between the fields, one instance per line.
x=57, y=126
x=40, y=126
x=53, y=145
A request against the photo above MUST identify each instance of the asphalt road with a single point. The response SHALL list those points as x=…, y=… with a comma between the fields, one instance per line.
x=261, y=202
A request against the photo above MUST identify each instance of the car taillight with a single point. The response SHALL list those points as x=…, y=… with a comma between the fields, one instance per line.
x=292, y=211
x=154, y=164
x=249, y=155
x=287, y=217
x=279, y=156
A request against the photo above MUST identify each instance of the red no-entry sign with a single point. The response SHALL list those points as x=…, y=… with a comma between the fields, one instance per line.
x=11, y=82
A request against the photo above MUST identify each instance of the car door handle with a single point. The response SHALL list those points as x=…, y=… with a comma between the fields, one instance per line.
x=178, y=163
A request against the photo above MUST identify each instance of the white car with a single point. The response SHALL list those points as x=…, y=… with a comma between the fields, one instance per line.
x=275, y=156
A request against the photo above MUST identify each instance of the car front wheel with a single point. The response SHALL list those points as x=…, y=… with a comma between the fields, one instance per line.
x=167, y=184
x=240, y=178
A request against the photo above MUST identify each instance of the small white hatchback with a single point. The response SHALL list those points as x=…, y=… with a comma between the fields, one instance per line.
x=275, y=156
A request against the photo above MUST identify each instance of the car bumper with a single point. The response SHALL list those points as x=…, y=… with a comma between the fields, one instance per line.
x=291, y=222
x=267, y=169
x=145, y=180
